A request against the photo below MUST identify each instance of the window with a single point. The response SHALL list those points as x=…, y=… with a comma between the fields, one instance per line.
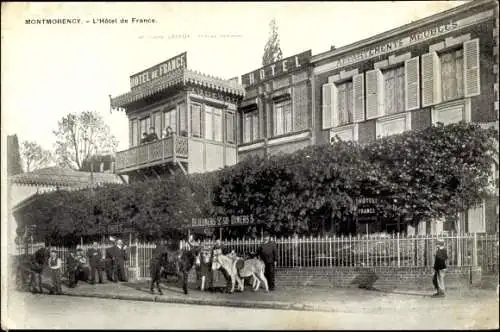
x=392, y=125
x=217, y=123
x=230, y=127
x=300, y=106
x=452, y=79
x=183, y=127
x=344, y=100
x=157, y=124
x=196, y=120
x=135, y=133
x=282, y=117
x=145, y=124
x=209, y=132
x=394, y=90
x=250, y=126
x=170, y=119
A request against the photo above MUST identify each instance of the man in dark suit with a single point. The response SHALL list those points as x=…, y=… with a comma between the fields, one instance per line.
x=269, y=254
x=72, y=267
x=94, y=256
x=112, y=258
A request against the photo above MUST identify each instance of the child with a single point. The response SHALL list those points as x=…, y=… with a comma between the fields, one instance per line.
x=439, y=269
x=55, y=272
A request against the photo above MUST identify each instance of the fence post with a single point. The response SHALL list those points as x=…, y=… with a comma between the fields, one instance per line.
x=399, y=252
x=474, y=250
x=136, y=253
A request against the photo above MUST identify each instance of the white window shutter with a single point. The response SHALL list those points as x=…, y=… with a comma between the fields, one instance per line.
x=328, y=105
x=374, y=94
x=358, y=98
x=412, y=85
x=472, y=85
x=431, y=87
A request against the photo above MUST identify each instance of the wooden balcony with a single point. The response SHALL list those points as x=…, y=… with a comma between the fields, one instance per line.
x=172, y=148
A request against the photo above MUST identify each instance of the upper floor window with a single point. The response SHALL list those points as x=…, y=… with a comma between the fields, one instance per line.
x=170, y=120
x=213, y=123
x=283, y=117
x=134, y=139
x=345, y=104
x=250, y=126
x=144, y=125
x=452, y=75
x=196, y=120
x=230, y=127
x=394, y=90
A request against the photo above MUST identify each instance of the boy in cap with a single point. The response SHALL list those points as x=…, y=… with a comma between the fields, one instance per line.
x=439, y=268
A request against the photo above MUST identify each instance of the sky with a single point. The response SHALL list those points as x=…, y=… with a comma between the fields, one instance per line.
x=51, y=70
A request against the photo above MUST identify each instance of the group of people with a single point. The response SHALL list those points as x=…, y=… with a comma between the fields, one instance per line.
x=152, y=136
x=90, y=267
x=267, y=252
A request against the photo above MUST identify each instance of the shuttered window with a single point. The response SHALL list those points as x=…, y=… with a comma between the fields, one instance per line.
x=217, y=124
x=230, y=127
x=412, y=80
x=471, y=68
x=430, y=79
x=452, y=78
x=300, y=107
x=374, y=94
x=329, y=99
x=282, y=117
x=394, y=90
x=196, y=120
x=358, y=83
x=345, y=104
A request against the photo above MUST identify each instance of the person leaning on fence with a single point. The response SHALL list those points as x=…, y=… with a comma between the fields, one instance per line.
x=55, y=272
x=94, y=257
x=268, y=253
x=439, y=269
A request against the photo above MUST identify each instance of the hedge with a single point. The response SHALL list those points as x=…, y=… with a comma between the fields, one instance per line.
x=415, y=176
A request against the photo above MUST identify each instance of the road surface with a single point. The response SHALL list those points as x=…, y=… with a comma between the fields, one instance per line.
x=27, y=311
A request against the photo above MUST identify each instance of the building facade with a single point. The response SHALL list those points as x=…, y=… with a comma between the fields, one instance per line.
x=443, y=68
x=276, y=115
x=192, y=114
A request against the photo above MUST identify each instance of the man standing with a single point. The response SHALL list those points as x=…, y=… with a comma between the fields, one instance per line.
x=439, y=269
x=94, y=256
x=72, y=266
x=219, y=249
x=268, y=253
x=121, y=257
x=55, y=272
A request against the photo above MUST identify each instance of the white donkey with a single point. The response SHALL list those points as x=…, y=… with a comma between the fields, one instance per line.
x=237, y=268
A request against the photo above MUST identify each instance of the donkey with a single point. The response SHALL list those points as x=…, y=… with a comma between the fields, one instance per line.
x=238, y=268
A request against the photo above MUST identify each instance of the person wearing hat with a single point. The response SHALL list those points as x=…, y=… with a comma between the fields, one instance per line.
x=55, y=272
x=112, y=258
x=118, y=254
x=94, y=258
x=72, y=266
x=439, y=268
x=268, y=252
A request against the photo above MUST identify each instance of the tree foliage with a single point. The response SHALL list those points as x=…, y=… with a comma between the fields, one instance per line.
x=34, y=156
x=272, y=50
x=80, y=135
x=415, y=176
x=13, y=156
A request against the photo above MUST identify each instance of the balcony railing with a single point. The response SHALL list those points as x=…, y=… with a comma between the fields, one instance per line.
x=164, y=149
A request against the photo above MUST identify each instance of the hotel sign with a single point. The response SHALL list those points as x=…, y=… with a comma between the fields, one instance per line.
x=163, y=69
x=396, y=44
x=276, y=69
x=222, y=221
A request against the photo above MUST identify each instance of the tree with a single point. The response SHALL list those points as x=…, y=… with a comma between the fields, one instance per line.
x=13, y=158
x=272, y=50
x=81, y=135
x=34, y=156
